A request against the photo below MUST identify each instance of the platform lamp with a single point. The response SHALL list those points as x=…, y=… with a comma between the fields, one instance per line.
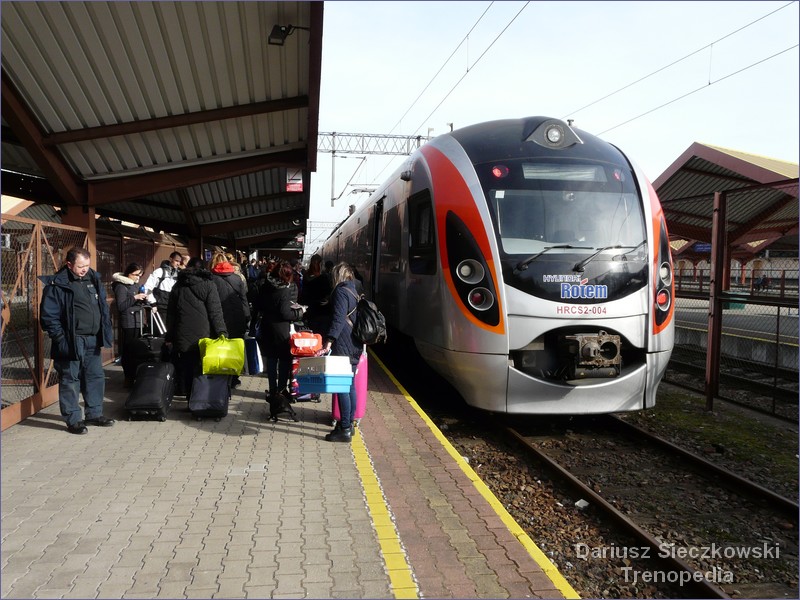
x=279, y=33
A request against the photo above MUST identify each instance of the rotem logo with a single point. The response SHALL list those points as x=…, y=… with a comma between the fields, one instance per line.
x=584, y=291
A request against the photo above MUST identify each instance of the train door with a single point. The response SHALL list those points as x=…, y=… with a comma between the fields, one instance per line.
x=377, y=237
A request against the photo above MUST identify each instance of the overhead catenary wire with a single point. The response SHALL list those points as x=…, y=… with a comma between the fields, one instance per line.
x=702, y=87
x=444, y=64
x=675, y=62
x=469, y=68
x=360, y=164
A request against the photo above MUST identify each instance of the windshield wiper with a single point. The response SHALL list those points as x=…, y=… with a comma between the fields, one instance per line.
x=581, y=265
x=522, y=265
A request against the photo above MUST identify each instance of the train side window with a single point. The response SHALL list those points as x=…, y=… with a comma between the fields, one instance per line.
x=421, y=234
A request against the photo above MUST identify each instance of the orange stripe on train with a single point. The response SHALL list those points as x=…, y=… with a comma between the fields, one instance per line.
x=658, y=218
x=451, y=193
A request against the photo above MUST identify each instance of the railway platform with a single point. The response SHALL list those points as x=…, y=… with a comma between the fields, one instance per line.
x=248, y=508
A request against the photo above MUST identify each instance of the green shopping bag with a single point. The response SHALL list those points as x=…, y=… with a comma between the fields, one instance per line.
x=222, y=356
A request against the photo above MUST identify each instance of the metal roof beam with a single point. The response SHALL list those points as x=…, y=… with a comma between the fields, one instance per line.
x=135, y=186
x=315, y=81
x=27, y=131
x=273, y=218
x=203, y=116
x=156, y=224
x=28, y=187
x=257, y=239
x=245, y=201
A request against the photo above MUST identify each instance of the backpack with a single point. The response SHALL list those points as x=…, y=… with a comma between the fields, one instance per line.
x=369, y=324
x=162, y=296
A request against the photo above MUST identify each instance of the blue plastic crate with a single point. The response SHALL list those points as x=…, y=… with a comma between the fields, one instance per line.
x=324, y=384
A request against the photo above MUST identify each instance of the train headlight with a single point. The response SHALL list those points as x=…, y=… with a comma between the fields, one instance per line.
x=472, y=281
x=665, y=273
x=480, y=299
x=554, y=134
x=470, y=271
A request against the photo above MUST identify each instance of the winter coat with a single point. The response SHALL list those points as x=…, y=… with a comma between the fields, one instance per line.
x=344, y=299
x=57, y=314
x=316, y=295
x=194, y=310
x=233, y=298
x=275, y=307
x=130, y=309
x=160, y=283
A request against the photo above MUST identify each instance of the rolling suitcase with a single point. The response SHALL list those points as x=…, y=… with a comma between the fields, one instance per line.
x=210, y=396
x=152, y=392
x=361, y=393
x=157, y=323
x=148, y=347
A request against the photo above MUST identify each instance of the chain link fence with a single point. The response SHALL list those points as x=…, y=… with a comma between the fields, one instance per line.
x=758, y=308
x=31, y=249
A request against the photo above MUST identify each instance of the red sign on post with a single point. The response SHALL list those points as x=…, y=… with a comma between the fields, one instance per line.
x=294, y=180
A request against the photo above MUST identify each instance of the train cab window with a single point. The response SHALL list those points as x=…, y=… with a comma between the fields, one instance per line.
x=528, y=221
x=421, y=234
x=520, y=220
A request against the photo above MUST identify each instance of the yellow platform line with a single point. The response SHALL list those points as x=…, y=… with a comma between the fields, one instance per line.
x=401, y=577
x=535, y=552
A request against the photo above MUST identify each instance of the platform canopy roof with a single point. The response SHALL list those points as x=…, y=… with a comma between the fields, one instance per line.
x=180, y=116
x=762, y=201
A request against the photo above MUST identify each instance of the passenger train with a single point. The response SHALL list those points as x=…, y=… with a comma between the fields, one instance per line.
x=530, y=263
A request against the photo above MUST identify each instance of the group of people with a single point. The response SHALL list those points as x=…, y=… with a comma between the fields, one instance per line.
x=319, y=298
x=198, y=301
x=761, y=284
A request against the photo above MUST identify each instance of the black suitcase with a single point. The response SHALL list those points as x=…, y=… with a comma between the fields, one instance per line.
x=146, y=349
x=210, y=396
x=152, y=391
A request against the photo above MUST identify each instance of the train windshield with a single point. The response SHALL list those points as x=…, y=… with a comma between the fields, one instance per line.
x=551, y=216
x=566, y=204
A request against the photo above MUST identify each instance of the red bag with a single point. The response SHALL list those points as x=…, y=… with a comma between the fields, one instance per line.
x=305, y=343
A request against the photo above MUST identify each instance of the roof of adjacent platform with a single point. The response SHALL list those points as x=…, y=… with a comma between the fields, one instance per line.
x=762, y=199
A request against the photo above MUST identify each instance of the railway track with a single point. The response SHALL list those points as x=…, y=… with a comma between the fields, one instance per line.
x=778, y=387
x=694, y=524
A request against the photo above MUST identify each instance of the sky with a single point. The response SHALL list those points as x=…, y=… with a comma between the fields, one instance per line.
x=649, y=77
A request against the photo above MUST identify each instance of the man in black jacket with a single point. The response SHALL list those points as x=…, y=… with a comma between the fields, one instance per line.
x=74, y=313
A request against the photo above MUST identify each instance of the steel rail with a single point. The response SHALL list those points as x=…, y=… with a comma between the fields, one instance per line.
x=739, y=483
x=698, y=583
